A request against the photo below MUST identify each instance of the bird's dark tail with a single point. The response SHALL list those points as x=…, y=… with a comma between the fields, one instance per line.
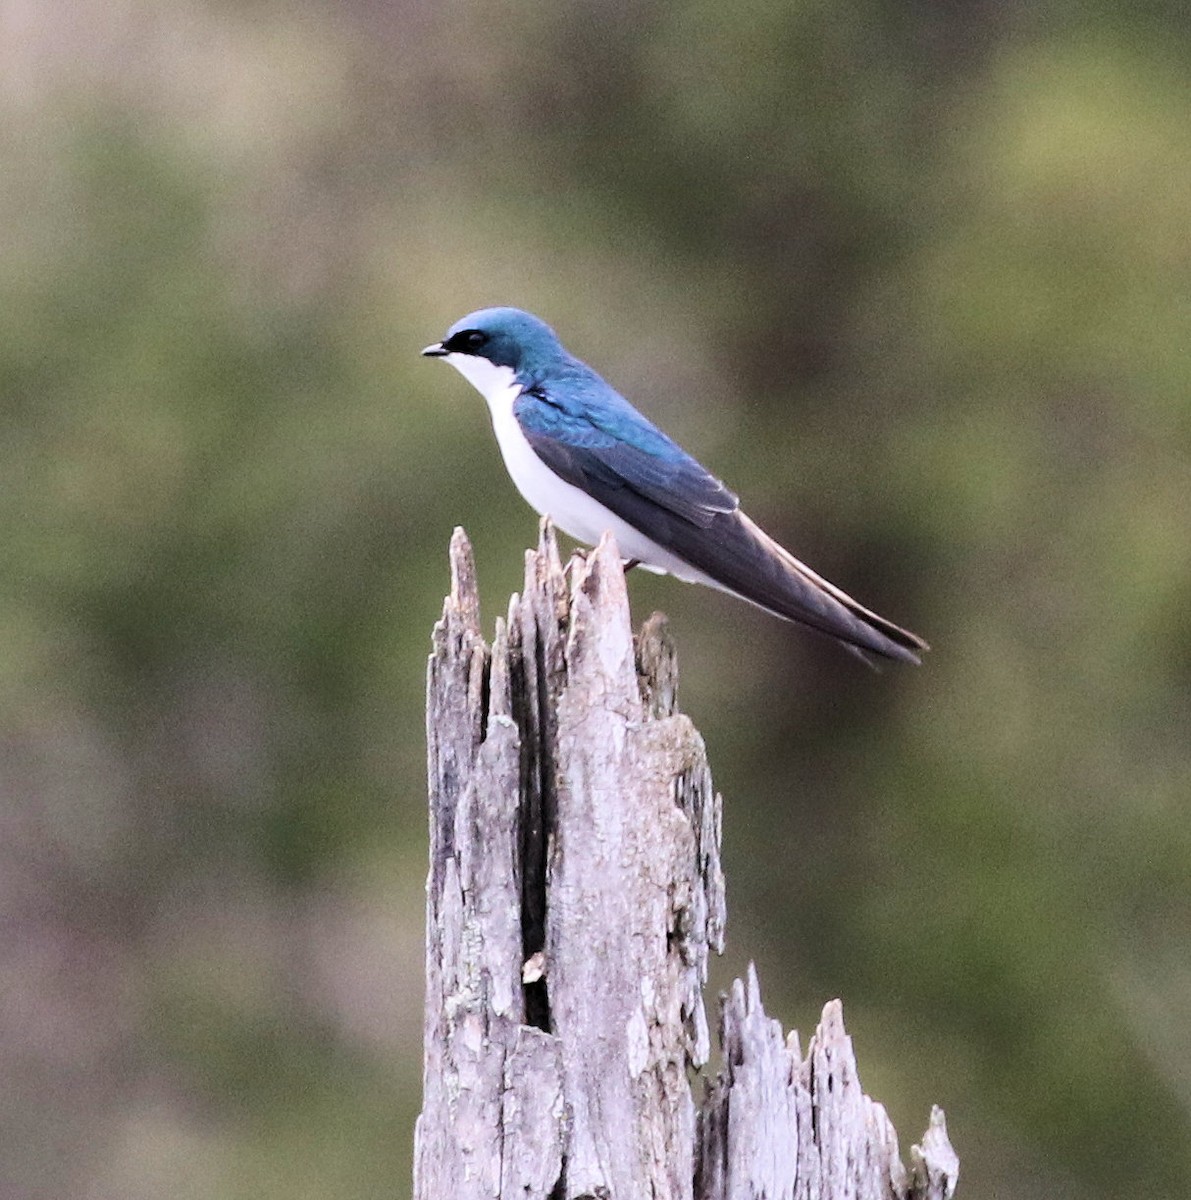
x=773, y=579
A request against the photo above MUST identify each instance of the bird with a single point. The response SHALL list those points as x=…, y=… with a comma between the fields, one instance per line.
x=581, y=454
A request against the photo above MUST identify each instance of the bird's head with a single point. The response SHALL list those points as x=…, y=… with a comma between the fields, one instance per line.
x=504, y=337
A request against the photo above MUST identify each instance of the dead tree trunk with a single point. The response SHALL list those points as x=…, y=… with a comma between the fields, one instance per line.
x=574, y=895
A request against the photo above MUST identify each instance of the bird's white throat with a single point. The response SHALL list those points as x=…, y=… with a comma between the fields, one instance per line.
x=492, y=382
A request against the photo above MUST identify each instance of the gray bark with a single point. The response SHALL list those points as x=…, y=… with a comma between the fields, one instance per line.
x=574, y=896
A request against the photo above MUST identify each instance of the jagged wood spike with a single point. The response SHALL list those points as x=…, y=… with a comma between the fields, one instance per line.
x=574, y=896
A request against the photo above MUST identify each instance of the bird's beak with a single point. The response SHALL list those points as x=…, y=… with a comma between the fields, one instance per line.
x=435, y=350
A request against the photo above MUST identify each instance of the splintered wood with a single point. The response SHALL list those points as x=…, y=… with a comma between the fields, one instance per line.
x=574, y=896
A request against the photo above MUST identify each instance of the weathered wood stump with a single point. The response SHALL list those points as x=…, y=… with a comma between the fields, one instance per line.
x=574, y=895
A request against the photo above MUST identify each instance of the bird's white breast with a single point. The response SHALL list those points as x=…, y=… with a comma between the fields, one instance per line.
x=571, y=509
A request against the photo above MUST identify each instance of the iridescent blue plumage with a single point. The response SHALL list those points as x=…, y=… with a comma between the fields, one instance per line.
x=596, y=440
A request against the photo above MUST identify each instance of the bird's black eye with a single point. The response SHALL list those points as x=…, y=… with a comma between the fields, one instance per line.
x=466, y=341
x=469, y=341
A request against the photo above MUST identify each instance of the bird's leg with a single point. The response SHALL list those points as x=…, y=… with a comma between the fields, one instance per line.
x=630, y=564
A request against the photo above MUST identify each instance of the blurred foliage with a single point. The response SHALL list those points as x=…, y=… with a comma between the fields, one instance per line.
x=916, y=279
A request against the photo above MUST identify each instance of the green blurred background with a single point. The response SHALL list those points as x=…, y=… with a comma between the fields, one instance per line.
x=915, y=278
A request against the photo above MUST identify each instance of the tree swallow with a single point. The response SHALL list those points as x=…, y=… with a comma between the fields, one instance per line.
x=581, y=454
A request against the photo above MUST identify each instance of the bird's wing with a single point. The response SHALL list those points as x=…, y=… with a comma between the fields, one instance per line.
x=618, y=457
x=631, y=468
